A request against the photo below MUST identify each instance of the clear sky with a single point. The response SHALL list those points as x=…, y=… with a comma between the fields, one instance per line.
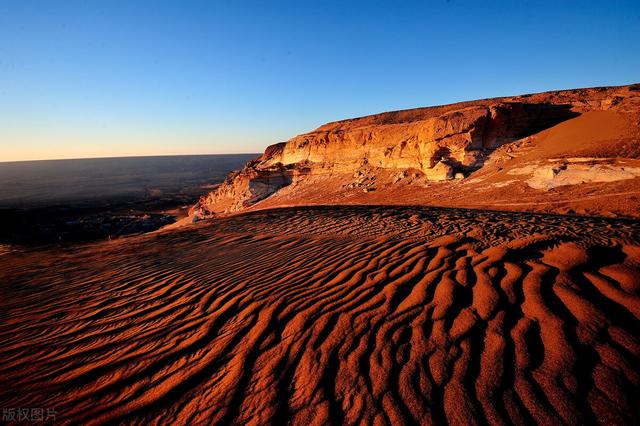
x=113, y=78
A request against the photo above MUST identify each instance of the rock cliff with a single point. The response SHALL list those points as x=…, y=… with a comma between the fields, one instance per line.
x=435, y=144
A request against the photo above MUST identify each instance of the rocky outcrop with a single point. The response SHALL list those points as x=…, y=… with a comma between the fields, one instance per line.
x=245, y=187
x=574, y=171
x=460, y=138
x=440, y=143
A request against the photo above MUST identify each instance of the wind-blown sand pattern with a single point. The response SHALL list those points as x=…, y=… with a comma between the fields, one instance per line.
x=356, y=315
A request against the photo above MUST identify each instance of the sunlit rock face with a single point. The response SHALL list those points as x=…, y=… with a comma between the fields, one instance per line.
x=441, y=143
x=417, y=139
x=244, y=188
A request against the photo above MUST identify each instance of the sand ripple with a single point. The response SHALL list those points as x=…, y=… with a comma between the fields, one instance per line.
x=355, y=315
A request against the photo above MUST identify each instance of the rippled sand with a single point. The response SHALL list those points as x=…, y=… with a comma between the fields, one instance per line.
x=356, y=315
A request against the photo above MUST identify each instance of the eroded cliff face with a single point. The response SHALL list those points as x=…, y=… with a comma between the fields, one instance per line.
x=437, y=144
x=246, y=187
x=460, y=139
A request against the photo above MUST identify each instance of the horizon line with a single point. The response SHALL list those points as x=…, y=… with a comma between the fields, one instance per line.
x=126, y=156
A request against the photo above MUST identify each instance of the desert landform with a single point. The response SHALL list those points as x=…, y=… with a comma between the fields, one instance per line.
x=474, y=263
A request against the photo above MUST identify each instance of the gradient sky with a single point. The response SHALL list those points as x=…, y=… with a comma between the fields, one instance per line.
x=112, y=78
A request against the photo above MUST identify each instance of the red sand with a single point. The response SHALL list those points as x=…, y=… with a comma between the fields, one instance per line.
x=357, y=315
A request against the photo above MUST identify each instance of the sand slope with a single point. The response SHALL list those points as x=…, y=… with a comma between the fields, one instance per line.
x=356, y=315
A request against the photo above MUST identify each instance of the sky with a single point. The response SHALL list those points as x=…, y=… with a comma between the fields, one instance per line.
x=123, y=78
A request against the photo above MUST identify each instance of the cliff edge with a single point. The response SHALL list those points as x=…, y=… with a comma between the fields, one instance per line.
x=569, y=151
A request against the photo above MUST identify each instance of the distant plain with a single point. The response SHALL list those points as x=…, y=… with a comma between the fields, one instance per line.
x=27, y=184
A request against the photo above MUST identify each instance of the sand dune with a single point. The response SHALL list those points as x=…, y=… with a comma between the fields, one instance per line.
x=357, y=315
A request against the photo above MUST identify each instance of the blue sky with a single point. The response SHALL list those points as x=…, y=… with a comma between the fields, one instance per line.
x=111, y=78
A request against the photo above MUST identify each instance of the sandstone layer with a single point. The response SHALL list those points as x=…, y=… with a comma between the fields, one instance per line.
x=515, y=149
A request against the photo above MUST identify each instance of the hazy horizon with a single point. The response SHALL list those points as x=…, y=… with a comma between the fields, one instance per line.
x=121, y=79
x=39, y=183
x=129, y=156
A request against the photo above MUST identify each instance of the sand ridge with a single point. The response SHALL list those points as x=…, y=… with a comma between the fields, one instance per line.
x=345, y=314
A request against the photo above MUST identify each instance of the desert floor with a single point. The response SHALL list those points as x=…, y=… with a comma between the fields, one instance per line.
x=359, y=315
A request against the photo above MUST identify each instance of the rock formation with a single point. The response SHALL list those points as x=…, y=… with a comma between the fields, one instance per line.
x=436, y=144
